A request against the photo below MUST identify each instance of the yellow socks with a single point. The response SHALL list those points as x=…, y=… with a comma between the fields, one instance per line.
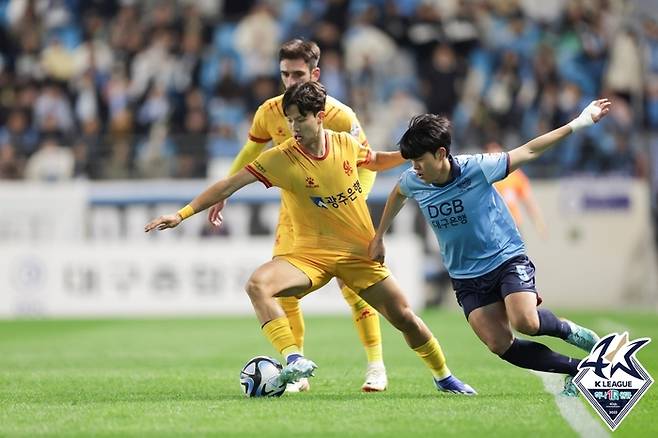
x=366, y=321
x=277, y=331
x=431, y=353
x=293, y=311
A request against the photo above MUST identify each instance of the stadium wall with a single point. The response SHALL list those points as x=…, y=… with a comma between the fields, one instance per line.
x=79, y=250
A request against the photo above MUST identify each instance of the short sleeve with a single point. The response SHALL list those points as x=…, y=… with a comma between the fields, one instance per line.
x=258, y=131
x=270, y=168
x=404, y=183
x=494, y=166
x=364, y=156
x=340, y=119
x=363, y=152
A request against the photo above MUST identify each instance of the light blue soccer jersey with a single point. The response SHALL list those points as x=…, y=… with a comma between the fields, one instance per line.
x=475, y=230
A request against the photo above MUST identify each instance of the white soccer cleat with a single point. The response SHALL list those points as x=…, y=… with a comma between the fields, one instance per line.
x=296, y=370
x=376, y=380
x=302, y=385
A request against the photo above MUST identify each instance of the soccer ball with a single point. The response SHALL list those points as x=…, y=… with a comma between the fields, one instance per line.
x=258, y=378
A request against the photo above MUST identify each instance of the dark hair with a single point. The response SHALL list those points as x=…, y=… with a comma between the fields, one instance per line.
x=309, y=97
x=300, y=49
x=426, y=133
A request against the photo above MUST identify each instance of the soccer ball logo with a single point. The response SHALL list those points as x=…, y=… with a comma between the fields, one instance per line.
x=258, y=378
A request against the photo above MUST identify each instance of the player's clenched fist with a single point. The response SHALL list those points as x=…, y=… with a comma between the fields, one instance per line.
x=164, y=222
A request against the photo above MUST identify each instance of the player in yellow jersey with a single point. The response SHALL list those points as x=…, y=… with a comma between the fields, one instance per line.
x=516, y=192
x=298, y=61
x=317, y=173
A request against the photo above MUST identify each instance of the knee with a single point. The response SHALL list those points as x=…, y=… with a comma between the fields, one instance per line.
x=256, y=287
x=528, y=323
x=498, y=346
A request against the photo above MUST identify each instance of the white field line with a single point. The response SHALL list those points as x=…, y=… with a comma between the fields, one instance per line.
x=572, y=408
x=606, y=326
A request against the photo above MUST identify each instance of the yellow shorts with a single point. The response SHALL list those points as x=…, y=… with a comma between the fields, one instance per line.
x=284, y=235
x=357, y=272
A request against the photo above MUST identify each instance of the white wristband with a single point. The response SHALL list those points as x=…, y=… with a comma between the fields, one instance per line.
x=585, y=118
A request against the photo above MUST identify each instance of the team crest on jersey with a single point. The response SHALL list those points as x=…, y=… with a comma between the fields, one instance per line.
x=347, y=167
x=310, y=183
x=611, y=377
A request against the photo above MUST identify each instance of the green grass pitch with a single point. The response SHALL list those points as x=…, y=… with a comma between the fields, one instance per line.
x=180, y=377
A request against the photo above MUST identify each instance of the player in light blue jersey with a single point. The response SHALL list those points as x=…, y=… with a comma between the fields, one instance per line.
x=481, y=246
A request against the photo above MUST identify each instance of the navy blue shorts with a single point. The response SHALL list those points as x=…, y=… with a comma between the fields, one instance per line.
x=515, y=275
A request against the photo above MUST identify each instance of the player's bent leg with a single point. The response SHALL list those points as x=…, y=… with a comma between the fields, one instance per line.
x=388, y=299
x=491, y=326
x=283, y=244
x=279, y=277
x=366, y=321
x=277, y=331
x=293, y=310
x=276, y=277
x=526, y=318
x=521, y=308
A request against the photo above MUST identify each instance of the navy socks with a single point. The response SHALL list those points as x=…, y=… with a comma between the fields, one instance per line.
x=551, y=325
x=536, y=356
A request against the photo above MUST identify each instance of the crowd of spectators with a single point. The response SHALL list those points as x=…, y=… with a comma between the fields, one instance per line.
x=107, y=89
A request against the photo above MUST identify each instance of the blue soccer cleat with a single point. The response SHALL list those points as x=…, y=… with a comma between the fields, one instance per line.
x=570, y=389
x=454, y=385
x=297, y=370
x=581, y=337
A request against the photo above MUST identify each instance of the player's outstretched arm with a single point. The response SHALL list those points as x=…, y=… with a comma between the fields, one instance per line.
x=394, y=203
x=384, y=160
x=247, y=154
x=217, y=192
x=594, y=112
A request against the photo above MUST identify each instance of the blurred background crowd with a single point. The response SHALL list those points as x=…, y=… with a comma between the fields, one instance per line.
x=115, y=89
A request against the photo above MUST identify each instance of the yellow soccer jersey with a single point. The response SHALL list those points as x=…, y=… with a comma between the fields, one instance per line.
x=270, y=124
x=323, y=195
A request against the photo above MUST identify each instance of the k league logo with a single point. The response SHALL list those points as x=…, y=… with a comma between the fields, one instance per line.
x=612, y=379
